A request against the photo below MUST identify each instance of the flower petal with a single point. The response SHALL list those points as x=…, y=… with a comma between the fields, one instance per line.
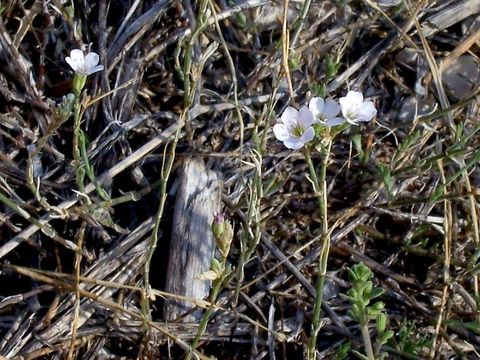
x=316, y=106
x=366, y=111
x=77, y=55
x=293, y=143
x=281, y=132
x=95, y=69
x=305, y=117
x=354, y=97
x=75, y=60
x=346, y=106
x=335, y=121
x=308, y=135
x=331, y=109
x=72, y=63
x=91, y=60
x=289, y=116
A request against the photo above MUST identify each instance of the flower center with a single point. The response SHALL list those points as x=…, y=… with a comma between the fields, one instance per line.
x=297, y=131
x=351, y=115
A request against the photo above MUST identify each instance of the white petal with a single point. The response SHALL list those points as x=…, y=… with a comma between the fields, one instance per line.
x=316, y=106
x=289, y=116
x=75, y=60
x=305, y=117
x=331, y=109
x=95, y=69
x=354, y=97
x=77, y=55
x=308, y=135
x=335, y=121
x=72, y=63
x=346, y=106
x=366, y=111
x=293, y=143
x=91, y=60
x=281, y=132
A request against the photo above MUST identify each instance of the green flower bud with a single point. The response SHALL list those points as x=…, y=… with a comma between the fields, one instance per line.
x=223, y=232
x=218, y=225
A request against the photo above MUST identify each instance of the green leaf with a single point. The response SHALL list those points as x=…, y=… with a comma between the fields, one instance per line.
x=378, y=306
x=383, y=338
x=386, y=175
x=376, y=293
x=215, y=265
x=352, y=275
x=357, y=143
x=381, y=323
x=319, y=90
x=459, y=131
x=241, y=20
x=342, y=351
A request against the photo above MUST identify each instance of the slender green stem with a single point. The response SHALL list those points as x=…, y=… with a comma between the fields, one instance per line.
x=320, y=189
x=367, y=342
x=251, y=237
x=77, y=156
x=218, y=284
x=88, y=168
x=165, y=174
x=298, y=25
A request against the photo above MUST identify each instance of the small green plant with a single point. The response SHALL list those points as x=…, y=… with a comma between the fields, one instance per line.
x=385, y=173
x=342, y=351
x=84, y=66
x=294, y=62
x=318, y=123
x=331, y=67
x=364, y=310
x=407, y=340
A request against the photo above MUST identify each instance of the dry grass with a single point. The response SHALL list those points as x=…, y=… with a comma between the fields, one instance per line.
x=82, y=277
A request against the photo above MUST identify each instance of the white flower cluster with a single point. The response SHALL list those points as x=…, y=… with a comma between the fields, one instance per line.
x=294, y=128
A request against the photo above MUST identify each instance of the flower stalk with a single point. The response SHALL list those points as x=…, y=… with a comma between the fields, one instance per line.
x=78, y=84
x=295, y=128
x=217, y=286
x=219, y=271
x=83, y=65
x=320, y=189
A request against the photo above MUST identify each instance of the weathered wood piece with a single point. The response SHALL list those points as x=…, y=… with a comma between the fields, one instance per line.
x=192, y=242
x=450, y=15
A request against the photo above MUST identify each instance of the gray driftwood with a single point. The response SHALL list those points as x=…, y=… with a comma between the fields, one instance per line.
x=192, y=242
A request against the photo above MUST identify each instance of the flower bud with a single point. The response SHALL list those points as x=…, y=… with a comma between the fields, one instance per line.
x=223, y=232
x=218, y=225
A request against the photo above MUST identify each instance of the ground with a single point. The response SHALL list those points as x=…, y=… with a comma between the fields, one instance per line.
x=91, y=176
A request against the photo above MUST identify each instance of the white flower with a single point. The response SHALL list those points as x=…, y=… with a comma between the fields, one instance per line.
x=355, y=110
x=295, y=127
x=83, y=65
x=325, y=112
